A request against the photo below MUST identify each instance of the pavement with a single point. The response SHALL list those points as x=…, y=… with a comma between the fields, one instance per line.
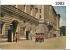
x=52, y=43
x=3, y=41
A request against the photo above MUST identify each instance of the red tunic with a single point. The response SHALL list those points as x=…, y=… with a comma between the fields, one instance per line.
x=31, y=35
x=41, y=36
x=16, y=36
x=37, y=36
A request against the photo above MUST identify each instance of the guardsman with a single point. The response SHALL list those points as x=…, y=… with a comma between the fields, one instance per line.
x=41, y=37
x=31, y=36
x=36, y=37
x=16, y=37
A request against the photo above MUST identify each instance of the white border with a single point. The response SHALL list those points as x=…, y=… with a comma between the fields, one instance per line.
x=39, y=2
x=44, y=2
x=68, y=27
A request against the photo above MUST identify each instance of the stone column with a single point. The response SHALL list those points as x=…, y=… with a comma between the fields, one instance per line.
x=46, y=32
x=57, y=21
x=33, y=12
x=58, y=26
x=42, y=11
x=16, y=6
x=3, y=29
x=27, y=9
x=12, y=37
x=37, y=15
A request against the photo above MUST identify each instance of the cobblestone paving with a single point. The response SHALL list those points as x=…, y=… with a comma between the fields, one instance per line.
x=52, y=43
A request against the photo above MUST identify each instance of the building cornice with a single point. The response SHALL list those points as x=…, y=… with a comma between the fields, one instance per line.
x=12, y=9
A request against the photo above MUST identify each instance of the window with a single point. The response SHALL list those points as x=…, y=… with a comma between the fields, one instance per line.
x=32, y=6
x=1, y=14
x=36, y=10
x=24, y=7
x=24, y=21
x=40, y=16
x=14, y=5
x=40, y=10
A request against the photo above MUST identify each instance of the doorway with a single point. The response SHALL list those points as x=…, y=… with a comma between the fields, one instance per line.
x=54, y=35
x=27, y=35
x=2, y=29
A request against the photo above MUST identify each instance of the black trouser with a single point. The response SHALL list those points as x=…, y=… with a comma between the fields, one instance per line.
x=43, y=39
x=40, y=39
x=31, y=38
x=16, y=39
x=36, y=39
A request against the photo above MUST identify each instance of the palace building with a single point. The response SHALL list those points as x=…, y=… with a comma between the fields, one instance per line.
x=29, y=18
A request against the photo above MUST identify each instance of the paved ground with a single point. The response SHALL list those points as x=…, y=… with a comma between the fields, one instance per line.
x=52, y=43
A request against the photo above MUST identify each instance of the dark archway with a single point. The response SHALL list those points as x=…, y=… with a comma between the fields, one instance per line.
x=54, y=35
x=27, y=35
x=2, y=27
x=14, y=27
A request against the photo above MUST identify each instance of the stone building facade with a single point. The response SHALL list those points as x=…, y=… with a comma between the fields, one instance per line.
x=32, y=18
x=48, y=21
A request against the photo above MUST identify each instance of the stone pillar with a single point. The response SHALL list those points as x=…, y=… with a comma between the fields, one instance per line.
x=16, y=6
x=3, y=29
x=37, y=14
x=42, y=12
x=46, y=32
x=21, y=7
x=12, y=37
x=33, y=30
x=27, y=9
x=25, y=32
x=33, y=12
x=57, y=22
